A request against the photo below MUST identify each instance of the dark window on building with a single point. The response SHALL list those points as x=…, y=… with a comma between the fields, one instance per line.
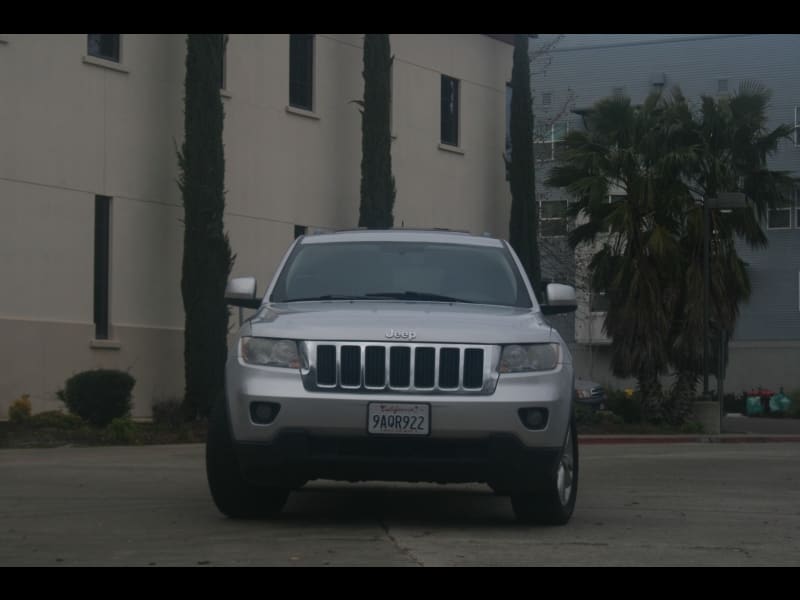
x=300, y=230
x=548, y=138
x=796, y=129
x=301, y=70
x=508, y=130
x=223, y=71
x=553, y=218
x=103, y=45
x=780, y=216
x=102, y=222
x=797, y=207
x=391, y=100
x=449, y=111
x=547, y=98
x=599, y=302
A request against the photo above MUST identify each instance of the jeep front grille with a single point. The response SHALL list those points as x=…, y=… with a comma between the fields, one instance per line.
x=400, y=368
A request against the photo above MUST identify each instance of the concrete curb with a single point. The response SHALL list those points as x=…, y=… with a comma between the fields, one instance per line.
x=725, y=438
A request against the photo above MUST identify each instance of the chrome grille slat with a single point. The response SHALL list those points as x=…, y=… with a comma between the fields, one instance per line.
x=448, y=368
x=423, y=367
x=473, y=364
x=374, y=367
x=413, y=368
x=400, y=367
x=350, y=369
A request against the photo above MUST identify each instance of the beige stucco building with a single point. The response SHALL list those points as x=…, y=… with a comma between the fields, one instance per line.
x=79, y=125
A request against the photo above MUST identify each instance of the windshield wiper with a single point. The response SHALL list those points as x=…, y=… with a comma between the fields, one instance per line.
x=327, y=297
x=411, y=295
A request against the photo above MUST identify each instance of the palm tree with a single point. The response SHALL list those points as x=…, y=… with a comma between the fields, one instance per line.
x=626, y=146
x=667, y=158
x=730, y=144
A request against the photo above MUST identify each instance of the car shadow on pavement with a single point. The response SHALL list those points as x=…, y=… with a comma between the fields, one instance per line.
x=428, y=503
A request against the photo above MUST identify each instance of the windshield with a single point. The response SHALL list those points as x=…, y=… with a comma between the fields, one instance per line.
x=418, y=271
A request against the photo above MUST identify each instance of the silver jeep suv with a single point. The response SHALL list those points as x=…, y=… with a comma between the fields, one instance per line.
x=397, y=355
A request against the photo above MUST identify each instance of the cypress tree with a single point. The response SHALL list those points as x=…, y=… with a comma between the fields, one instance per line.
x=524, y=222
x=377, y=182
x=207, y=256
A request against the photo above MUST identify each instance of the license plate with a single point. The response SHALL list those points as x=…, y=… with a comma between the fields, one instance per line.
x=398, y=418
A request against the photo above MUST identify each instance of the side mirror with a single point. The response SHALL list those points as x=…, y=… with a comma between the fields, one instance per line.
x=560, y=299
x=241, y=291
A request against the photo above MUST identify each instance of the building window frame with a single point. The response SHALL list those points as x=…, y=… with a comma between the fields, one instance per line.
x=223, y=68
x=552, y=225
x=599, y=302
x=302, y=55
x=509, y=95
x=102, y=266
x=789, y=207
x=104, y=46
x=450, y=111
x=797, y=206
x=550, y=135
x=392, y=104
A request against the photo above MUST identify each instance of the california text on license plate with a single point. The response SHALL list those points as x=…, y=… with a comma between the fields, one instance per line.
x=399, y=418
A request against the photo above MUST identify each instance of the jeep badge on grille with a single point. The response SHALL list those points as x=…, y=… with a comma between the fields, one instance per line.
x=401, y=335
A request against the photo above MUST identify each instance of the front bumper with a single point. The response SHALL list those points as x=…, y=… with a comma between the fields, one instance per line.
x=453, y=417
x=295, y=457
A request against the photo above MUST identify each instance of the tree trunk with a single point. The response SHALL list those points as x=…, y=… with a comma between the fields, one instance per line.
x=652, y=398
x=681, y=396
x=377, y=182
x=524, y=223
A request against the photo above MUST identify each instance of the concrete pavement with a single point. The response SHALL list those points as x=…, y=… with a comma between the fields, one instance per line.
x=648, y=504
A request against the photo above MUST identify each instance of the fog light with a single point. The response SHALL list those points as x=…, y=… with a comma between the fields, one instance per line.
x=533, y=418
x=264, y=413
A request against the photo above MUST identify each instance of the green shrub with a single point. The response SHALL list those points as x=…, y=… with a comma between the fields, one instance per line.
x=625, y=405
x=585, y=415
x=55, y=419
x=692, y=427
x=609, y=418
x=120, y=431
x=168, y=413
x=99, y=396
x=20, y=409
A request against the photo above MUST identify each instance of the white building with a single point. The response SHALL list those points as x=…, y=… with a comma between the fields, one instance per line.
x=90, y=125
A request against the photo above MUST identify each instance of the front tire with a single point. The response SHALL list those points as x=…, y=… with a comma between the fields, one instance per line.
x=553, y=505
x=233, y=495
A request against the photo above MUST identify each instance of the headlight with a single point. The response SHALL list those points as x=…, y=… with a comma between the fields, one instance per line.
x=584, y=394
x=266, y=351
x=529, y=357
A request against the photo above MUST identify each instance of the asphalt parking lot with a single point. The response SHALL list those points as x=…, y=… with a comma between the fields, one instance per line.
x=650, y=504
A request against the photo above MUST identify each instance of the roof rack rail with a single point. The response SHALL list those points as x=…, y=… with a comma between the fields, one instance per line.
x=364, y=229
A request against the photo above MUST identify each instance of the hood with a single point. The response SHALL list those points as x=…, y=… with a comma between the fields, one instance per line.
x=400, y=321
